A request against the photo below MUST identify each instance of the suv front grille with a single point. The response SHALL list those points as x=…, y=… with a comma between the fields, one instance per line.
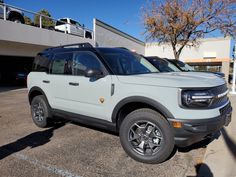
x=224, y=110
x=220, y=94
x=219, y=89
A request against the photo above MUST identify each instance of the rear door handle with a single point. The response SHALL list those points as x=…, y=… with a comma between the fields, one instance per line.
x=74, y=83
x=46, y=81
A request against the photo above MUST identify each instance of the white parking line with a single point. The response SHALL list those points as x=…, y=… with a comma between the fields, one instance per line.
x=49, y=168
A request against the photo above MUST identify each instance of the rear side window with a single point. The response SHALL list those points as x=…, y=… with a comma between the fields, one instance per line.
x=61, y=22
x=75, y=23
x=62, y=64
x=41, y=63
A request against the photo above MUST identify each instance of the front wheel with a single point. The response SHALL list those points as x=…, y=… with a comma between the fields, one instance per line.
x=40, y=111
x=146, y=136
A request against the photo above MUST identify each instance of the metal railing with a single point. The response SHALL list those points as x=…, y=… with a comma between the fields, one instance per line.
x=42, y=17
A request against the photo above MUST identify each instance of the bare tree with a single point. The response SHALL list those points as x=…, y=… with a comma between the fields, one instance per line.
x=181, y=23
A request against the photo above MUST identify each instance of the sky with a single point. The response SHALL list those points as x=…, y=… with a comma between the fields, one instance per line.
x=122, y=14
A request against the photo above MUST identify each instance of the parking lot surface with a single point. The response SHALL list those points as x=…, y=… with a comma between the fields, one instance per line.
x=69, y=149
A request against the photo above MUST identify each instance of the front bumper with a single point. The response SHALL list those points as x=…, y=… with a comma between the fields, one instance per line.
x=193, y=131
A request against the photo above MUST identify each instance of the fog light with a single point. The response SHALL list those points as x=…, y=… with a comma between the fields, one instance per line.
x=177, y=124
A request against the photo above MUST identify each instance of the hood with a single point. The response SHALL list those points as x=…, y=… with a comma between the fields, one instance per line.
x=174, y=79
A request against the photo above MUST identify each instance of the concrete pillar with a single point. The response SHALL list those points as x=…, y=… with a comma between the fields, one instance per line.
x=225, y=69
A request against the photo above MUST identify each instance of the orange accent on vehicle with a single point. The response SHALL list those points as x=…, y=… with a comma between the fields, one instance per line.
x=177, y=124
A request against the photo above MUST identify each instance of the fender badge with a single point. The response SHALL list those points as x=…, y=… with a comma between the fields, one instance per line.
x=101, y=100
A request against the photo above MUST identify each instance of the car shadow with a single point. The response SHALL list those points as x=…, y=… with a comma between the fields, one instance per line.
x=94, y=127
x=202, y=170
x=229, y=142
x=32, y=140
x=200, y=144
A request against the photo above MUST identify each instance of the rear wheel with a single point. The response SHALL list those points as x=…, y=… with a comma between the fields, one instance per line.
x=40, y=111
x=146, y=136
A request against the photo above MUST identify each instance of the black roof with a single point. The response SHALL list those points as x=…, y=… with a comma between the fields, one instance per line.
x=78, y=47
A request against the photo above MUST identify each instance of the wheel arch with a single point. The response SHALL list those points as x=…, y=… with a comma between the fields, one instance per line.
x=136, y=102
x=35, y=91
x=12, y=14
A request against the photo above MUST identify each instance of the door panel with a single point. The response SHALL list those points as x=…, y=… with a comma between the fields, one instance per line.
x=58, y=92
x=90, y=97
x=60, y=71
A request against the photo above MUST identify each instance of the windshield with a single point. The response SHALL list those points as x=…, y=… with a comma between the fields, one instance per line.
x=163, y=65
x=124, y=62
x=183, y=66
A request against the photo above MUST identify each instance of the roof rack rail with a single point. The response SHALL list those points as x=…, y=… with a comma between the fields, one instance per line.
x=122, y=48
x=79, y=45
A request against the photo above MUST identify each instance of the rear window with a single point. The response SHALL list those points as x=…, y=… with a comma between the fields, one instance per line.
x=41, y=63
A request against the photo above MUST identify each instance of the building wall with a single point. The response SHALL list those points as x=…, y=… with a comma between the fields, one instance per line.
x=218, y=48
x=24, y=40
x=19, y=49
x=210, y=51
x=108, y=36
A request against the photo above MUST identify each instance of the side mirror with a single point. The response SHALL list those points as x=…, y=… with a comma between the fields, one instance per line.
x=93, y=73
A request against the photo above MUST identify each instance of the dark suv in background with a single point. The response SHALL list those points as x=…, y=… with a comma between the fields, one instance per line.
x=163, y=65
x=185, y=67
x=12, y=14
x=173, y=65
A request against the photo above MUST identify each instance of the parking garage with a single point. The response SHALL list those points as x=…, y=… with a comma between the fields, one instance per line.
x=13, y=69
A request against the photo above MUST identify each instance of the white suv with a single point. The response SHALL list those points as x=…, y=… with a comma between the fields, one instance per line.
x=116, y=89
x=72, y=27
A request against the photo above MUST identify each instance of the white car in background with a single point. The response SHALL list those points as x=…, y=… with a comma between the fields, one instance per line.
x=72, y=27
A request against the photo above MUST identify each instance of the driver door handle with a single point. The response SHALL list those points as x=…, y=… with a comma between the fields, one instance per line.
x=46, y=81
x=74, y=83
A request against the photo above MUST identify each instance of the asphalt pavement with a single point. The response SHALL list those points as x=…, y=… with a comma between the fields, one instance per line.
x=220, y=157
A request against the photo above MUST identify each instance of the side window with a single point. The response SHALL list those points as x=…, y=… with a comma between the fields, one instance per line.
x=60, y=22
x=41, y=63
x=62, y=63
x=83, y=61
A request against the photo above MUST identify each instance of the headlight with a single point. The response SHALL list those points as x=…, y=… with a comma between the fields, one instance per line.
x=196, y=99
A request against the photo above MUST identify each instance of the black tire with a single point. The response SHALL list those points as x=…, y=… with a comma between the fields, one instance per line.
x=40, y=111
x=17, y=20
x=157, y=133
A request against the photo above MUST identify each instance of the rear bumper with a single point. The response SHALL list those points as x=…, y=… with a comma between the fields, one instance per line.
x=193, y=131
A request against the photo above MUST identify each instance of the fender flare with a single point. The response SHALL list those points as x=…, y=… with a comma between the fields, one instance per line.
x=162, y=109
x=35, y=88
